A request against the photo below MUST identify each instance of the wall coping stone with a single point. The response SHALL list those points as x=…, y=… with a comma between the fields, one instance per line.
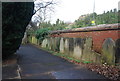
x=103, y=27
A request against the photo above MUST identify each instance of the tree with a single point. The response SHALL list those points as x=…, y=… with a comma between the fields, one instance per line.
x=108, y=17
x=15, y=18
x=43, y=10
x=115, y=10
x=57, y=21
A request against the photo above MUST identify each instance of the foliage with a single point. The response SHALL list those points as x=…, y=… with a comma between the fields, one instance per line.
x=59, y=25
x=46, y=27
x=40, y=34
x=108, y=17
x=15, y=18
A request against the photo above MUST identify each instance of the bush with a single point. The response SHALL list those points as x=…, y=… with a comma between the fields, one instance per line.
x=40, y=34
x=15, y=18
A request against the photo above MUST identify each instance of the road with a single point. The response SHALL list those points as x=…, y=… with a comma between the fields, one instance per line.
x=39, y=64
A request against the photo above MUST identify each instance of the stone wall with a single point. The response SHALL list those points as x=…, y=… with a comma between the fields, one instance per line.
x=98, y=44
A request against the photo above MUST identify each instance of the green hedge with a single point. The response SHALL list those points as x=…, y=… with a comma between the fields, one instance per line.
x=15, y=18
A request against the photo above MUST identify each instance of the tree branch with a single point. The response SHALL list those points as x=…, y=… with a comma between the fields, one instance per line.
x=47, y=4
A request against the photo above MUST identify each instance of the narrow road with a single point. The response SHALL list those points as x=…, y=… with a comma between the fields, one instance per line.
x=38, y=64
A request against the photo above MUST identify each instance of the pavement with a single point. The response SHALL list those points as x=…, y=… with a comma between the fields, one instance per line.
x=35, y=63
x=10, y=68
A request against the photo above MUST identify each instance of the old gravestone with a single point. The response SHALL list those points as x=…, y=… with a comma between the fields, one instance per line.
x=108, y=51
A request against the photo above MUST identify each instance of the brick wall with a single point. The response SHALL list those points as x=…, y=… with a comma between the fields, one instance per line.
x=97, y=44
x=97, y=33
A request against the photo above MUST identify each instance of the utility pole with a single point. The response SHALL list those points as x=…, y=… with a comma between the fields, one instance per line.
x=94, y=7
x=93, y=21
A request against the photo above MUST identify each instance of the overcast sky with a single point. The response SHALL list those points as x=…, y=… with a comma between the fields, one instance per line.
x=70, y=10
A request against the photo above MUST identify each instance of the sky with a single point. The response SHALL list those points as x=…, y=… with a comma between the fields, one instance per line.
x=70, y=10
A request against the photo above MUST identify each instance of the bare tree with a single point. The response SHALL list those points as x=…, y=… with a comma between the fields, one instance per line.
x=41, y=4
x=42, y=11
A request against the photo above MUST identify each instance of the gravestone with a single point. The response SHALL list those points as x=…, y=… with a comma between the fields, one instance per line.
x=108, y=51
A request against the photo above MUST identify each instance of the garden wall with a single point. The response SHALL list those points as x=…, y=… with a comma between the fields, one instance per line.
x=97, y=44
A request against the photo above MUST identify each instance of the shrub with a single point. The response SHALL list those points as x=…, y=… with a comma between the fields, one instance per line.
x=40, y=34
x=15, y=18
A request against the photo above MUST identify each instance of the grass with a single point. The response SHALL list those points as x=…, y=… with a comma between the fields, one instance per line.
x=65, y=56
x=86, y=62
